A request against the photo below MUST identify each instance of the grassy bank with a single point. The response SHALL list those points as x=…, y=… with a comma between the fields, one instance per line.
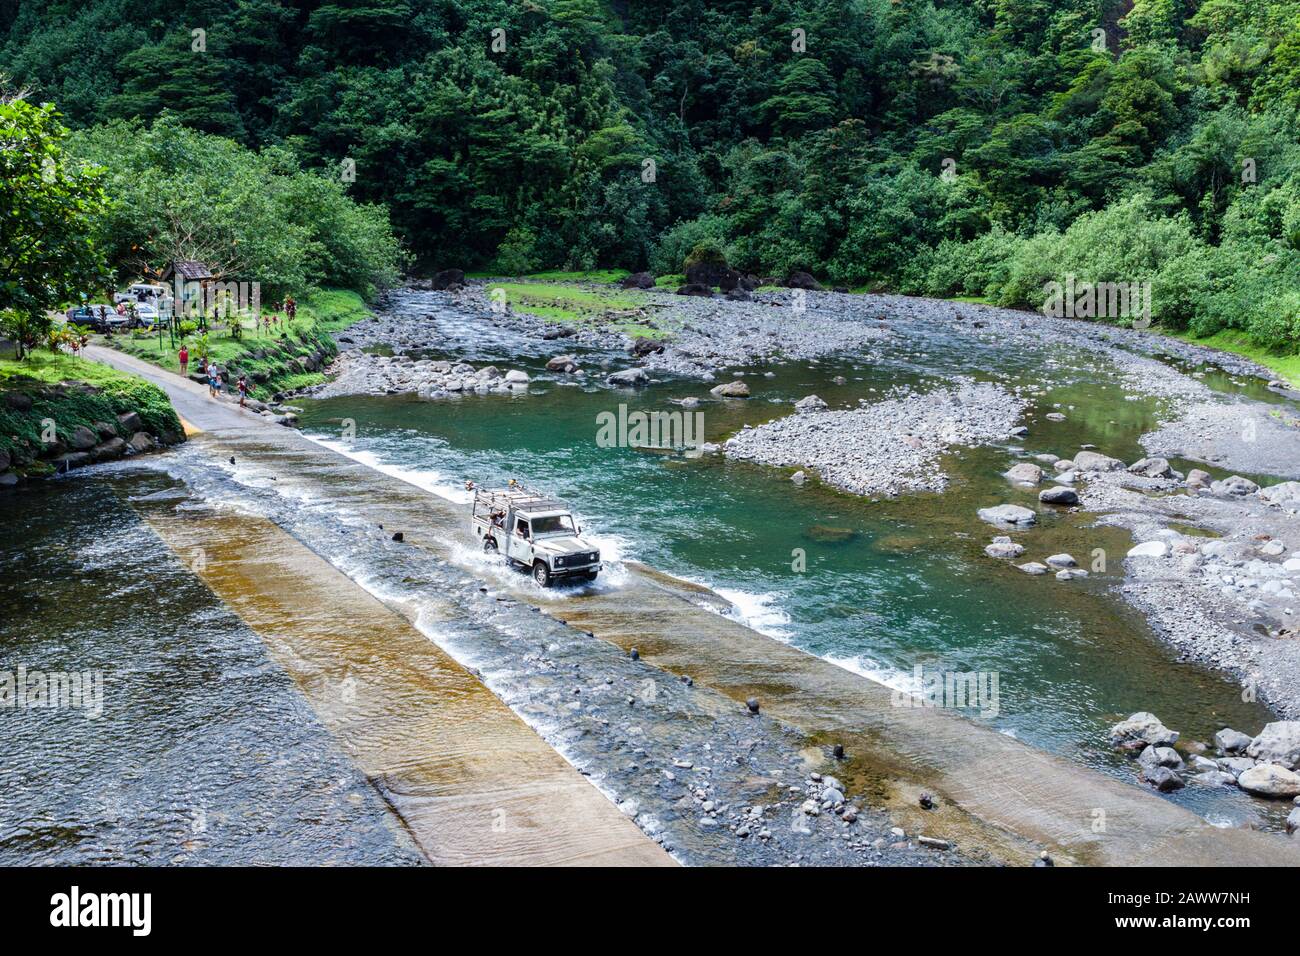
x=72, y=392
x=274, y=361
x=564, y=302
x=1285, y=366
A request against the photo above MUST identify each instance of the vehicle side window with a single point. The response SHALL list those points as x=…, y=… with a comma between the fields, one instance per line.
x=521, y=527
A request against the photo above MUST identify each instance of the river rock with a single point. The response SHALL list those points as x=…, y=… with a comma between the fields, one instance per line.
x=810, y=403
x=1279, y=743
x=1160, y=757
x=1059, y=495
x=1214, y=778
x=1235, y=765
x=1064, y=464
x=1148, y=549
x=1025, y=473
x=1293, y=821
x=448, y=278
x=1004, y=547
x=628, y=377
x=1286, y=493
x=730, y=390
x=83, y=438
x=1033, y=567
x=1008, y=514
x=802, y=280
x=1151, y=468
x=141, y=442
x=1094, y=461
x=1163, y=779
x=638, y=280
x=1197, y=479
x=130, y=421
x=1270, y=780
x=515, y=377
x=1062, y=561
x=1231, y=741
x=1234, y=486
x=108, y=450
x=1069, y=574
x=561, y=363
x=1144, y=727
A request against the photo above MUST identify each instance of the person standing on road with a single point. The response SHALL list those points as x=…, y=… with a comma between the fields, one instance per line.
x=184, y=358
x=214, y=381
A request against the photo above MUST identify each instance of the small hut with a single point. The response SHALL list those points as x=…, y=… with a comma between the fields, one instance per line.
x=190, y=280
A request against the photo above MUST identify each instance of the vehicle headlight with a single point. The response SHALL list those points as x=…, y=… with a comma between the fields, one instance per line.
x=594, y=556
x=559, y=561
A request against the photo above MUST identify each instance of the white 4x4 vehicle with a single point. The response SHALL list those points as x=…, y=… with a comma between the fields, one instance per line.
x=535, y=532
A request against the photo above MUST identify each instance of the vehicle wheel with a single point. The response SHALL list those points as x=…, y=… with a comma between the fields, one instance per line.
x=542, y=574
x=489, y=544
x=588, y=576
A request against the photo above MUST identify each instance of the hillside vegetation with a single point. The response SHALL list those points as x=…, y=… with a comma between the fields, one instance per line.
x=953, y=147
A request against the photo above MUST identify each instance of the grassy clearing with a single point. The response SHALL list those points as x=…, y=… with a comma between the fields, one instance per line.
x=40, y=378
x=1286, y=365
x=258, y=351
x=559, y=302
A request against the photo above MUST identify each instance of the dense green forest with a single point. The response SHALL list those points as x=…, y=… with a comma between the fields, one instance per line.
x=949, y=147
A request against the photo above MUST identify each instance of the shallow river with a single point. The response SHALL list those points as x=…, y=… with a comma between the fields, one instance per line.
x=888, y=585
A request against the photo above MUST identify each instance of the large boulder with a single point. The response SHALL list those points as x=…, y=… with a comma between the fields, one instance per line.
x=448, y=278
x=1279, y=743
x=696, y=288
x=1144, y=728
x=810, y=403
x=141, y=441
x=1151, y=468
x=730, y=390
x=629, y=377
x=1160, y=757
x=1162, y=778
x=1231, y=741
x=1094, y=461
x=1270, y=780
x=1197, y=479
x=1025, y=473
x=1234, y=486
x=1008, y=515
x=1286, y=493
x=83, y=438
x=1058, y=495
x=517, y=377
x=638, y=280
x=712, y=273
x=802, y=280
x=108, y=450
x=561, y=363
x=1004, y=547
x=643, y=346
x=1148, y=549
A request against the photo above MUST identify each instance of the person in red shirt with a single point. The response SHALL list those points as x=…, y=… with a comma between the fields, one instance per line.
x=184, y=358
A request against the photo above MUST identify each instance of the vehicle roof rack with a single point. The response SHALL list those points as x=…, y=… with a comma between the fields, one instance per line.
x=519, y=498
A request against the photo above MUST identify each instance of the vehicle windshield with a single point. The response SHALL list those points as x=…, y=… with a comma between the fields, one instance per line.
x=553, y=524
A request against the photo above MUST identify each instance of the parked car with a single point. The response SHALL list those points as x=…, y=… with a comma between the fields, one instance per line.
x=146, y=316
x=99, y=316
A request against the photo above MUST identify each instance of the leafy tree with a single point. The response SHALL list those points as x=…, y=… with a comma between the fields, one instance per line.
x=48, y=252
